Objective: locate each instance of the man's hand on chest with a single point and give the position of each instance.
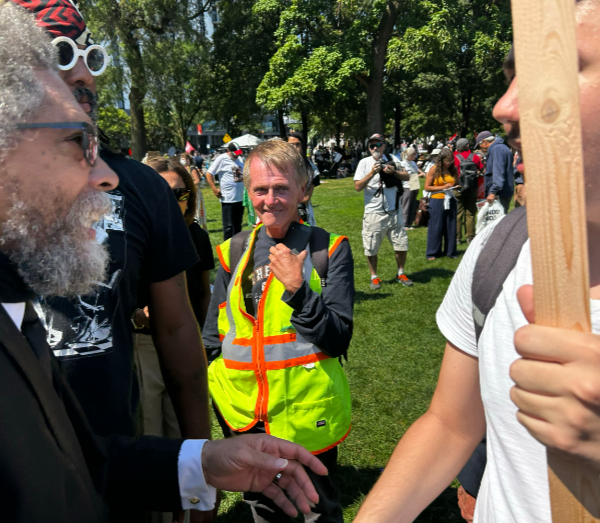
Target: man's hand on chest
(287, 267)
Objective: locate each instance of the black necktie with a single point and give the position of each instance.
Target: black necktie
(35, 333)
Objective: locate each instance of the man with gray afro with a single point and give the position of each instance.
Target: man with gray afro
(469, 167)
(53, 186)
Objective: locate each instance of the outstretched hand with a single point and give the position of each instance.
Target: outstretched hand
(250, 463)
(557, 385)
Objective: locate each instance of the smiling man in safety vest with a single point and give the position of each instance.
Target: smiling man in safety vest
(279, 320)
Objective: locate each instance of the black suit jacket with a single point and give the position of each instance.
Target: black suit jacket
(52, 467)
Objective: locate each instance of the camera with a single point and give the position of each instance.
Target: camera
(389, 180)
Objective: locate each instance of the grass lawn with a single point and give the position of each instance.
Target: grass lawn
(394, 358)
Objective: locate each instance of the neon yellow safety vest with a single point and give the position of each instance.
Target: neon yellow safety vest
(268, 372)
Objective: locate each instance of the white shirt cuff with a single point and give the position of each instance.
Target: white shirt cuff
(195, 493)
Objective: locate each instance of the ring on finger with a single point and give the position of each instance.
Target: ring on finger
(277, 478)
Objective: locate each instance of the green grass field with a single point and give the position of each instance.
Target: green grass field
(394, 358)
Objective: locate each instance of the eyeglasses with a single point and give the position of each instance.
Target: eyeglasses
(95, 57)
(182, 195)
(89, 136)
(375, 145)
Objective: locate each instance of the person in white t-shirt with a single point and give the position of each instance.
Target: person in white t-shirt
(229, 168)
(382, 209)
(532, 390)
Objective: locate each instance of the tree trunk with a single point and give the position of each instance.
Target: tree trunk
(338, 134)
(397, 117)
(305, 129)
(282, 131)
(466, 106)
(137, 94)
(374, 83)
(138, 124)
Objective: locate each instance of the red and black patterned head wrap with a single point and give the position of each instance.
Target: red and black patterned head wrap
(59, 18)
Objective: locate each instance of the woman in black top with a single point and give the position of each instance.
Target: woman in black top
(185, 190)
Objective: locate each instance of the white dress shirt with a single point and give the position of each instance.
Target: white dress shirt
(194, 491)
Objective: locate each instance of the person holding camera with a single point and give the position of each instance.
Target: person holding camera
(381, 180)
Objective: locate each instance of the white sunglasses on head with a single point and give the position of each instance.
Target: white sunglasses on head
(95, 57)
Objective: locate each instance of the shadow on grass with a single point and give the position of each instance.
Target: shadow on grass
(425, 276)
(368, 296)
(215, 230)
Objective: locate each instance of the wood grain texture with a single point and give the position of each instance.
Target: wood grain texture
(547, 72)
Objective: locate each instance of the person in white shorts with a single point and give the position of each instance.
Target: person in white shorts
(383, 216)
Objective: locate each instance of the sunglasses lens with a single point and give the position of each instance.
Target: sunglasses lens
(65, 53)
(95, 60)
(182, 195)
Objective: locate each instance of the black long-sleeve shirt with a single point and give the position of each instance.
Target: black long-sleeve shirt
(322, 319)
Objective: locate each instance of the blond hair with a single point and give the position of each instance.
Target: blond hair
(279, 154)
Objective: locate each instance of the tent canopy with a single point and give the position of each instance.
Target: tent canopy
(247, 140)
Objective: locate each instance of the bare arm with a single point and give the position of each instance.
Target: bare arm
(204, 297)
(181, 355)
(211, 181)
(195, 175)
(359, 185)
(434, 449)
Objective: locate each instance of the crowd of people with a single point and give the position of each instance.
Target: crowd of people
(115, 348)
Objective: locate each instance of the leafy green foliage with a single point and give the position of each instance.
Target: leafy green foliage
(451, 52)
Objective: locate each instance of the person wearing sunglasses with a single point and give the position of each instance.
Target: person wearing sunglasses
(150, 250)
(383, 215)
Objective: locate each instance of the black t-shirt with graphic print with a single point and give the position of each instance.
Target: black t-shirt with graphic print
(148, 242)
(254, 282)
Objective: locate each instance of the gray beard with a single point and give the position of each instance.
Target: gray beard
(55, 256)
(377, 155)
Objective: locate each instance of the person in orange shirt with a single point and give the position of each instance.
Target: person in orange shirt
(441, 232)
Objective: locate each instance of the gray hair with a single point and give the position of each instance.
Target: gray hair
(409, 151)
(24, 48)
(279, 154)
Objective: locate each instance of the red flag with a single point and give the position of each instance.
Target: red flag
(451, 139)
(199, 127)
(188, 147)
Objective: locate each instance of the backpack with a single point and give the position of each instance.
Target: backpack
(496, 261)
(318, 245)
(468, 172)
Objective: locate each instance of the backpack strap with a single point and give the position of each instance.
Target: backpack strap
(319, 253)
(496, 261)
(238, 245)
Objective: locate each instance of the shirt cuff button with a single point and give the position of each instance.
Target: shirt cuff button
(194, 500)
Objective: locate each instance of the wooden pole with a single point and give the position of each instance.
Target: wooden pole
(547, 76)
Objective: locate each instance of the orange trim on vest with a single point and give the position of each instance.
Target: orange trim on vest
(238, 365)
(295, 362)
(247, 427)
(222, 259)
(221, 337)
(315, 452)
(223, 305)
(336, 244)
(260, 343)
(242, 342)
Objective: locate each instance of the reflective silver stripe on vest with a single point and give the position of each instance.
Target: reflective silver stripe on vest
(272, 352)
(290, 350)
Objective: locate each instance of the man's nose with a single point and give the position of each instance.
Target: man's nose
(270, 199)
(507, 108)
(102, 177)
(79, 76)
